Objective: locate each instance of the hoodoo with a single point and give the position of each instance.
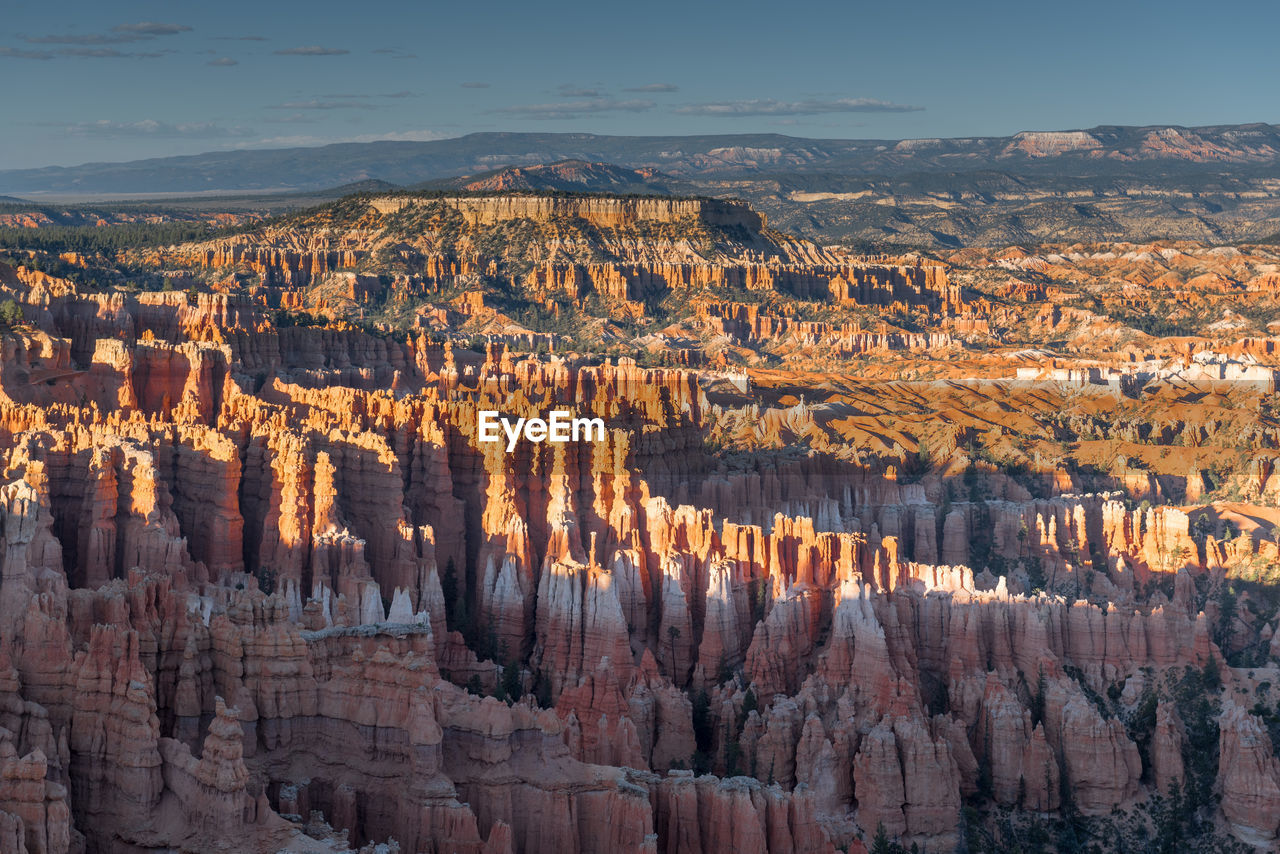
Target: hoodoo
(540, 523)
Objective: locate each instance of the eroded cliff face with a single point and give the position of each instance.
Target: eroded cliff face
(628, 254)
(608, 211)
(226, 601)
(263, 587)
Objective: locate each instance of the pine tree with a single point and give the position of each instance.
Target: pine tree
(882, 844)
(10, 313)
(511, 681)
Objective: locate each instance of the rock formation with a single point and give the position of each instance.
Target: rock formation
(263, 585)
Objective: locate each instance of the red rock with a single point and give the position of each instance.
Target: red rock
(204, 456)
(1250, 776)
(1166, 749)
(877, 781)
(1099, 762)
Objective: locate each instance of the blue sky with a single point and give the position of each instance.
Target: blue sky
(83, 82)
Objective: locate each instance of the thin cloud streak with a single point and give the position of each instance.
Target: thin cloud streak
(316, 104)
(576, 109)
(17, 53)
(150, 128)
(364, 96)
(312, 50)
(568, 91)
(87, 39)
(772, 107)
(79, 53)
(109, 53)
(151, 28)
(294, 119)
(123, 34)
(301, 140)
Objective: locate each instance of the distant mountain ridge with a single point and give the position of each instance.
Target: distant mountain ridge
(573, 176)
(1107, 150)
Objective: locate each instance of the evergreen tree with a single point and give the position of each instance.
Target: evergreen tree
(882, 844)
(511, 681)
(10, 313)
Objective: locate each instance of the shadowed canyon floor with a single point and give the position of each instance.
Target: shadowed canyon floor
(976, 552)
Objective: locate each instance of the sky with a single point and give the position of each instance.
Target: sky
(89, 82)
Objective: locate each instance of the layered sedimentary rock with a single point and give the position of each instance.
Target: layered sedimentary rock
(264, 586)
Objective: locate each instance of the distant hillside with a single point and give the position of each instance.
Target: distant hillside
(369, 185)
(1216, 184)
(1153, 150)
(572, 176)
(394, 228)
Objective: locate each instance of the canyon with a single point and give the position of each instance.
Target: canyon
(962, 551)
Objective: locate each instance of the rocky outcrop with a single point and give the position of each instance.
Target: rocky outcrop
(1022, 767)
(35, 816)
(1250, 776)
